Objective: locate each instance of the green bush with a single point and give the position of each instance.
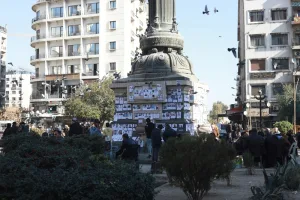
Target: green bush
(47, 168)
(284, 126)
(193, 162)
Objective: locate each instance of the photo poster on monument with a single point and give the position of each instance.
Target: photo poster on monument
(123, 110)
(120, 129)
(143, 91)
(144, 111)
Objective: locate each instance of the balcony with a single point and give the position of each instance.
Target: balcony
(38, 18)
(133, 35)
(75, 76)
(92, 12)
(56, 35)
(74, 54)
(38, 37)
(2, 63)
(93, 53)
(296, 44)
(56, 55)
(3, 48)
(37, 57)
(132, 16)
(75, 34)
(76, 13)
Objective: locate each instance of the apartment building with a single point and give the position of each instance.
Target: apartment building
(266, 60)
(80, 41)
(18, 89)
(3, 45)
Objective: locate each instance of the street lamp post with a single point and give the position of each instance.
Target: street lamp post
(260, 97)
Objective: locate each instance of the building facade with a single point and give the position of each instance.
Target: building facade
(266, 61)
(18, 89)
(80, 41)
(3, 45)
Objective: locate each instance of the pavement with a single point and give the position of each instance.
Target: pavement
(220, 191)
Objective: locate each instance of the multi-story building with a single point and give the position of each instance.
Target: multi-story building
(3, 43)
(80, 41)
(18, 89)
(266, 61)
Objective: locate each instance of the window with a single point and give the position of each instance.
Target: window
(279, 14)
(57, 12)
(20, 85)
(91, 69)
(279, 39)
(112, 45)
(37, 72)
(296, 40)
(92, 49)
(74, 10)
(14, 79)
(56, 70)
(57, 31)
(14, 98)
(93, 8)
(92, 28)
(7, 86)
(74, 30)
(14, 92)
(257, 40)
(7, 92)
(280, 63)
(112, 4)
(74, 50)
(56, 51)
(112, 24)
(256, 16)
(277, 89)
(258, 65)
(255, 89)
(7, 79)
(112, 66)
(72, 69)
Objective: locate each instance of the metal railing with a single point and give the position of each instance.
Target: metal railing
(90, 12)
(56, 55)
(38, 37)
(74, 54)
(38, 18)
(36, 57)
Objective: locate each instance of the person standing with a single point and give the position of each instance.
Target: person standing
(108, 136)
(148, 129)
(168, 133)
(75, 128)
(6, 132)
(256, 145)
(95, 129)
(156, 142)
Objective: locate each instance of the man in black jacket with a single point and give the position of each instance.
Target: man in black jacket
(75, 128)
(156, 142)
(128, 150)
(169, 132)
(148, 129)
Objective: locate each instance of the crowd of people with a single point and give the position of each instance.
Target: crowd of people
(15, 128)
(267, 147)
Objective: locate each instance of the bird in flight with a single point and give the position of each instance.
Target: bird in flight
(206, 10)
(233, 50)
(216, 10)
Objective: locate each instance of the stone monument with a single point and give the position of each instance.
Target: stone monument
(161, 83)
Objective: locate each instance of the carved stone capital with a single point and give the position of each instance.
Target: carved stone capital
(162, 41)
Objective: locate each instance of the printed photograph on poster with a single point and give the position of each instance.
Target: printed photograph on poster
(131, 88)
(180, 128)
(186, 97)
(121, 100)
(179, 106)
(178, 115)
(187, 106)
(180, 98)
(117, 100)
(170, 98)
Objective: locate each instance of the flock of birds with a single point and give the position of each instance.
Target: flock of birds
(206, 11)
